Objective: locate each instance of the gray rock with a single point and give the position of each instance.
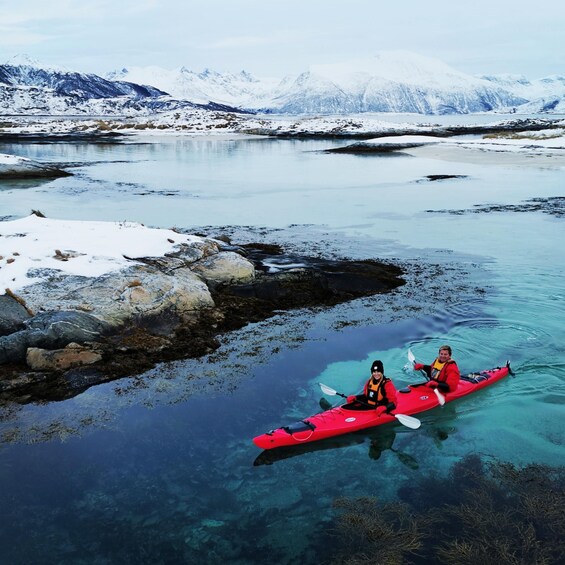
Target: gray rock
(160, 295)
(124, 296)
(225, 268)
(51, 330)
(12, 315)
(164, 287)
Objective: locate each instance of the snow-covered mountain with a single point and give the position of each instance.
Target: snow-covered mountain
(544, 95)
(391, 81)
(240, 89)
(29, 88)
(68, 83)
(529, 89)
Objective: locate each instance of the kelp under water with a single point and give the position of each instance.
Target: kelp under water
(482, 512)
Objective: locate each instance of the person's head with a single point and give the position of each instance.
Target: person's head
(444, 353)
(377, 367)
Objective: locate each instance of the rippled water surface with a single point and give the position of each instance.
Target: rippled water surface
(162, 469)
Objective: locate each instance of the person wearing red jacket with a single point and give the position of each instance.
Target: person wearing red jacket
(379, 392)
(443, 372)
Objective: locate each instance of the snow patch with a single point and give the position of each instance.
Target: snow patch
(75, 247)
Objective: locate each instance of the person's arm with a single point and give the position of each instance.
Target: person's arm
(353, 397)
(451, 378)
(390, 391)
(426, 368)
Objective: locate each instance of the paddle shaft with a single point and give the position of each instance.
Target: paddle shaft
(440, 397)
(408, 421)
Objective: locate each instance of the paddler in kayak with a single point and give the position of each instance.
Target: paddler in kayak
(443, 372)
(379, 392)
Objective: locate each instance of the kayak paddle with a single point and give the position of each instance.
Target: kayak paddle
(440, 397)
(408, 421)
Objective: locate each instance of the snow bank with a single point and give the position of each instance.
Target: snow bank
(549, 140)
(76, 247)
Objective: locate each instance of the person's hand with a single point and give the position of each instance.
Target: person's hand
(351, 398)
(379, 410)
(418, 366)
(431, 384)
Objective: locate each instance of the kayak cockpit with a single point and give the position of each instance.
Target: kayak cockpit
(301, 426)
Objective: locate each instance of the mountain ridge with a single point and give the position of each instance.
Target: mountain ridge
(391, 81)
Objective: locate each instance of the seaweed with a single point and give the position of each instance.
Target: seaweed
(481, 512)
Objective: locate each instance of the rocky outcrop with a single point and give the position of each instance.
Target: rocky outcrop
(141, 294)
(51, 330)
(160, 294)
(12, 315)
(76, 331)
(12, 167)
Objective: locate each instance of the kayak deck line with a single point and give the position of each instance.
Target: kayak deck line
(352, 417)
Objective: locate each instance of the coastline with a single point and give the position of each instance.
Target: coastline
(63, 333)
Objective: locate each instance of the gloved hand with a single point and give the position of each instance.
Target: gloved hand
(351, 398)
(380, 410)
(443, 387)
(418, 366)
(431, 384)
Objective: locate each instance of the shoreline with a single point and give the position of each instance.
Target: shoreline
(148, 339)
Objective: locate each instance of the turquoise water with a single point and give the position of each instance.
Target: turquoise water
(162, 469)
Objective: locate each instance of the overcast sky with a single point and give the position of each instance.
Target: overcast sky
(274, 38)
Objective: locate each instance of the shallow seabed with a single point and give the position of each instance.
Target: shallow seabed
(161, 468)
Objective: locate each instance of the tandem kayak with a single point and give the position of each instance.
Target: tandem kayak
(353, 417)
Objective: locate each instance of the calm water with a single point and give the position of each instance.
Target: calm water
(162, 470)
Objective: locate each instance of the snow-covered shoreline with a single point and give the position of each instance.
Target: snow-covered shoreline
(67, 284)
(203, 123)
(531, 137)
(88, 249)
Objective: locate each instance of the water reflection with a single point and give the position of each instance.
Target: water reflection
(378, 443)
(380, 440)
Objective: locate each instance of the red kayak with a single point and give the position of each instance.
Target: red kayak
(354, 417)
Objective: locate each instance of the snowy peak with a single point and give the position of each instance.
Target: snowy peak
(391, 81)
(393, 66)
(548, 87)
(67, 83)
(23, 60)
(201, 87)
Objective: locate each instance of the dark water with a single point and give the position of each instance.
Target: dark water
(162, 469)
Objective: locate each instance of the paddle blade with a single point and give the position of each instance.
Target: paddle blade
(440, 397)
(327, 390)
(408, 421)
(411, 357)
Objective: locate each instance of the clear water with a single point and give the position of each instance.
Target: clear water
(162, 469)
